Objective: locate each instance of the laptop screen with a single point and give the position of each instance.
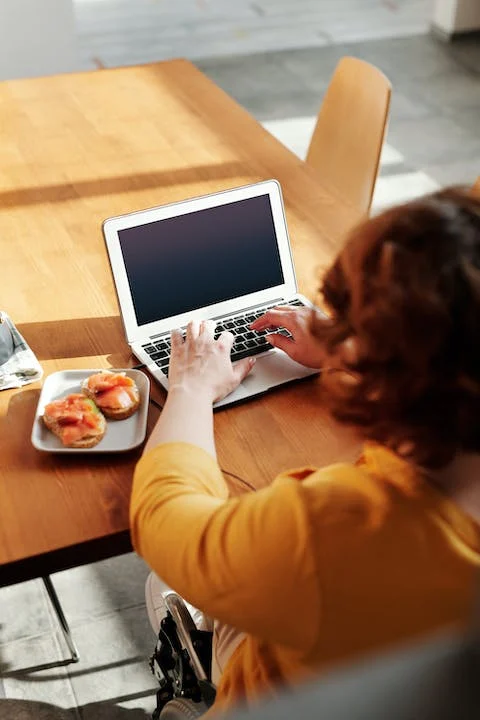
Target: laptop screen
(190, 261)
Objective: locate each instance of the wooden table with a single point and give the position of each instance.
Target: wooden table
(74, 150)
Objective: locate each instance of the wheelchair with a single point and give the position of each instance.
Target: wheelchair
(181, 662)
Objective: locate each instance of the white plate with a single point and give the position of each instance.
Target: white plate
(121, 435)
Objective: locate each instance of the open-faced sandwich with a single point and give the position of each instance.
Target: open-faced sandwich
(115, 394)
(76, 420)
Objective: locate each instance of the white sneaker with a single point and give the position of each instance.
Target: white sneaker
(155, 601)
(155, 591)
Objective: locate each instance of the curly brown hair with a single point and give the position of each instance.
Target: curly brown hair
(406, 290)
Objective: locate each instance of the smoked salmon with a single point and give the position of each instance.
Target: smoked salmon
(115, 394)
(76, 421)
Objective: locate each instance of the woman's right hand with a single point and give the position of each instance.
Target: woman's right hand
(303, 346)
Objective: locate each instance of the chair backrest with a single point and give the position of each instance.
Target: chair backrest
(347, 141)
(436, 680)
(476, 187)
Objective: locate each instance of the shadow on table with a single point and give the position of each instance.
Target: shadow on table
(31, 710)
(62, 192)
(76, 338)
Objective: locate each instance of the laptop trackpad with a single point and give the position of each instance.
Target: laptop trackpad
(272, 369)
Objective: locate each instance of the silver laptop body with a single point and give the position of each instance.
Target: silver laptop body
(224, 257)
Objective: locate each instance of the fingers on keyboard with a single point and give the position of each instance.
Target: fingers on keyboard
(246, 341)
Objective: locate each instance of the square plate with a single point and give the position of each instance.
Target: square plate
(121, 435)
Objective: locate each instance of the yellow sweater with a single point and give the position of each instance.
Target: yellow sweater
(321, 566)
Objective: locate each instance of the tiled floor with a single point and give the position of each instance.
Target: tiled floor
(435, 113)
(275, 57)
(120, 31)
(396, 183)
(105, 606)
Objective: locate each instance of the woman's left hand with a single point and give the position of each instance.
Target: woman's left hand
(202, 365)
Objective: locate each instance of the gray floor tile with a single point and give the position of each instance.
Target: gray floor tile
(409, 106)
(114, 651)
(214, 28)
(249, 41)
(466, 118)
(407, 59)
(117, 57)
(314, 67)
(433, 140)
(107, 586)
(24, 611)
(343, 19)
(298, 104)
(461, 172)
(454, 88)
(257, 73)
(22, 678)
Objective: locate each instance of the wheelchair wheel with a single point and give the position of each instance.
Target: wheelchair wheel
(182, 709)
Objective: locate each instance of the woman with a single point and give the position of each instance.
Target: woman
(329, 563)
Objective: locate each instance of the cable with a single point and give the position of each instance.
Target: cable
(226, 472)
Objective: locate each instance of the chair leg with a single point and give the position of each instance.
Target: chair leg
(75, 657)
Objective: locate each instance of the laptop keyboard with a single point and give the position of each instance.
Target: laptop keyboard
(246, 342)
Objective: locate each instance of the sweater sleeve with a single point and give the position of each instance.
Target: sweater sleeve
(245, 561)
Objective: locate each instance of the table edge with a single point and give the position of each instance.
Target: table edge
(65, 558)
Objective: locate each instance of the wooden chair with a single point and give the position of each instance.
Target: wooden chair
(348, 137)
(476, 187)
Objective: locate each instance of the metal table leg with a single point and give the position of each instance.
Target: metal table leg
(75, 657)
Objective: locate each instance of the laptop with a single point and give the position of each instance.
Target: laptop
(224, 257)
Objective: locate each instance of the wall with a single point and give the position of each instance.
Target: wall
(456, 16)
(37, 37)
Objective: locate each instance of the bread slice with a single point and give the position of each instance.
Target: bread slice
(115, 394)
(76, 421)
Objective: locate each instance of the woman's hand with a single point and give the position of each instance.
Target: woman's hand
(303, 346)
(202, 365)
